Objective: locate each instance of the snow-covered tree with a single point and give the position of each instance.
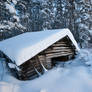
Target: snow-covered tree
(47, 14)
(82, 21)
(9, 19)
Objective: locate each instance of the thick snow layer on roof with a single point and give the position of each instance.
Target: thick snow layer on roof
(25, 46)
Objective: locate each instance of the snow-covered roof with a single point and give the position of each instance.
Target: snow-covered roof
(25, 46)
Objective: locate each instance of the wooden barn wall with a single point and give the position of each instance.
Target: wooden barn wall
(63, 47)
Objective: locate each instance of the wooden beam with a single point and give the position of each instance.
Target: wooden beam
(58, 50)
(58, 55)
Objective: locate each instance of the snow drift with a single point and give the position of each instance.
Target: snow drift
(75, 76)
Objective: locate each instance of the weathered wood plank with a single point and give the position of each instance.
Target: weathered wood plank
(62, 48)
(58, 50)
(58, 45)
(58, 55)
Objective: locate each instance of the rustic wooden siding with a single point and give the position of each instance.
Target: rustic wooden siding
(30, 68)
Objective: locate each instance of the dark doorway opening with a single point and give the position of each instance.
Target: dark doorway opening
(61, 60)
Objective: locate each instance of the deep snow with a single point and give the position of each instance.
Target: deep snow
(75, 76)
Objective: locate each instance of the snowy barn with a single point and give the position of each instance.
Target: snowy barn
(32, 53)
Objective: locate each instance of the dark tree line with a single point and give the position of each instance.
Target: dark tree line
(19, 16)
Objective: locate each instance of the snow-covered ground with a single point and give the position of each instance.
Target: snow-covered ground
(75, 76)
